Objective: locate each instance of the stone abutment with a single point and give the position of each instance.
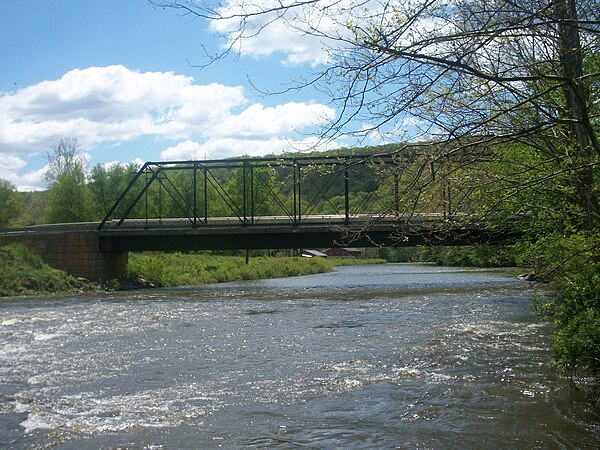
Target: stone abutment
(77, 253)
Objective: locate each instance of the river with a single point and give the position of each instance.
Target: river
(390, 356)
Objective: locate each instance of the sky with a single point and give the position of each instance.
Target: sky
(125, 79)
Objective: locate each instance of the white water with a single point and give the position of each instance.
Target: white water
(395, 356)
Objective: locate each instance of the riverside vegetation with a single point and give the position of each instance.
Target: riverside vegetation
(179, 269)
(24, 273)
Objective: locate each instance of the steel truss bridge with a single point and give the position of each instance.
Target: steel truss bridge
(194, 186)
(263, 203)
(281, 202)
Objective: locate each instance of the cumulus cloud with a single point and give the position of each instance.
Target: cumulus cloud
(10, 163)
(107, 107)
(33, 180)
(302, 33)
(257, 120)
(225, 147)
(113, 103)
(276, 37)
(229, 147)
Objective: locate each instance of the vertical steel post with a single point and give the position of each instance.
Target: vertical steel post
(205, 195)
(346, 192)
(252, 194)
(299, 194)
(160, 186)
(146, 198)
(446, 193)
(448, 201)
(294, 166)
(396, 195)
(244, 200)
(195, 195)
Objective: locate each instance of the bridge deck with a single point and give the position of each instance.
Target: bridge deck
(273, 235)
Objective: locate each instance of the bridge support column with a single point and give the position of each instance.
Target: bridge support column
(77, 253)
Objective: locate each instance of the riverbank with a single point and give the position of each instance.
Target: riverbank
(182, 269)
(24, 273)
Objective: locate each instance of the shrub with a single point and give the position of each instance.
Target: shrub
(572, 264)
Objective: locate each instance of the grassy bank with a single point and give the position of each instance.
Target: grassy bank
(466, 256)
(23, 273)
(179, 269)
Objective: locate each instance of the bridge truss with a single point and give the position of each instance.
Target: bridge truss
(246, 192)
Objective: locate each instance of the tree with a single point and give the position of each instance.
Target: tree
(469, 73)
(68, 201)
(68, 197)
(10, 203)
(65, 158)
(106, 184)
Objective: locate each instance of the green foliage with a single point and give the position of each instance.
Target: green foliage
(68, 200)
(106, 185)
(179, 269)
(24, 273)
(33, 211)
(572, 264)
(469, 256)
(10, 204)
(399, 254)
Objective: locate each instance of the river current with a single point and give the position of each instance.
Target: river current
(390, 356)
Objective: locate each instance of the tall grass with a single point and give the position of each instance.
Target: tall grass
(179, 269)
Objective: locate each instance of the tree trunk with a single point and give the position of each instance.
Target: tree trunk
(576, 107)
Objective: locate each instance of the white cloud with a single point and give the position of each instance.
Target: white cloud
(256, 120)
(114, 103)
(225, 147)
(29, 181)
(110, 106)
(9, 170)
(9, 164)
(219, 148)
(276, 37)
(256, 131)
(304, 34)
(299, 33)
(138, 162)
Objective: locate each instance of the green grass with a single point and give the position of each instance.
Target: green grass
(24, 273)
(179, 269)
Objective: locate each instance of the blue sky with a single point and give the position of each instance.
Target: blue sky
(119, 76)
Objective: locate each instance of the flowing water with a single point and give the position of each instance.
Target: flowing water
(392, 356)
